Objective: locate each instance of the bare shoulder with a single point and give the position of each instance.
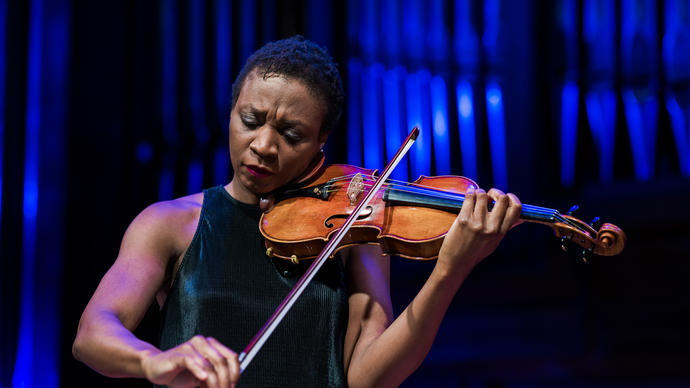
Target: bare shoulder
(172, 211)
(150, 247)
(164, 227)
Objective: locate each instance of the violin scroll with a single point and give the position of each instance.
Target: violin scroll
(608, 240)
(612, 240)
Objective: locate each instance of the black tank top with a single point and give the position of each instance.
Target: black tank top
(226, 288)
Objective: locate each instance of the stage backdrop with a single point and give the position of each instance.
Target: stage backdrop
(106, 107)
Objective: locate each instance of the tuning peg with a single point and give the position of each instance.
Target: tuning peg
(585, 256)
(573, 209)
(595, 223)
(564, 247)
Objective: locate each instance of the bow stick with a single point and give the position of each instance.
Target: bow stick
(260, 338)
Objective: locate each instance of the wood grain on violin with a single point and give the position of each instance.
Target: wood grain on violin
(406, 219)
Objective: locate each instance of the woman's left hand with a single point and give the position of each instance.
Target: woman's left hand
(476, 232)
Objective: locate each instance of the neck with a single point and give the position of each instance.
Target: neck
(240, 193)
(443, 200)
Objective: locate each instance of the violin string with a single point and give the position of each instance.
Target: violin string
(401, 186)
(435, 193)
(432, 192)
(459, 197)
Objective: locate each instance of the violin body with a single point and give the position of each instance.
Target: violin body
(396, 228)
(405, 219)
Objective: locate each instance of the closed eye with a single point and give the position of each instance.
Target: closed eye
(292, 135)
(249, 122)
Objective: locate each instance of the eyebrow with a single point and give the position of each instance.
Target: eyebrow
(282, 122)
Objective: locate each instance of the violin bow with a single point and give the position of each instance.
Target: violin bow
(260, 338)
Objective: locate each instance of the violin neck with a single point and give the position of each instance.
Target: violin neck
(452, 202)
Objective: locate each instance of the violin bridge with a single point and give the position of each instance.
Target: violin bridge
(355, 188)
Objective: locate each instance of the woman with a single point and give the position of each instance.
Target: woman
(202, 258)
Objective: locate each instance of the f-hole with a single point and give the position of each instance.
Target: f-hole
(362, 215)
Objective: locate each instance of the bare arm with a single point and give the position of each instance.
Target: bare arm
(104, 339)
(382, 354)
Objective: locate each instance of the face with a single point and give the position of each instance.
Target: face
(274, 135)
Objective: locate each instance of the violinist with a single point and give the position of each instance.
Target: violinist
(202, 258)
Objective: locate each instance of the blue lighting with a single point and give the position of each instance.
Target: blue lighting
(465, 38)
(566, 16)
(569, 98)
(418, 115)
(195, 177)
(468, 142)
(675, 53)
(464, 102)
(221, 166)
(144, 152)
(638, 57)
(25, 363)
(368, 29)
(268, 21)
(390, 27)
(247, 42)
(437, 34)
(37, 360)
(439, 107)
(413, 29)
(169, 71)
(196, 71)
(492, 25)
(494, 98)
(169, 88)
(642, 139)
(598, 32)
(394, 120)
(354, 113)
(352, 20)
(371, 117)
(679, 125)
(676, 60)
(601, 112)
(223, 56)
(497, 137)
(165, 185)
(317, 30)
(3, 10)
(638, 38)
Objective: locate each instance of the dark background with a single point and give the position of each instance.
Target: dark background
(107, 107)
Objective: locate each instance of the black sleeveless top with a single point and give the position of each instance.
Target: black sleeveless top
(226, 288)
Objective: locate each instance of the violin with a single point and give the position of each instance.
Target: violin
(342, 205)
(406, 219)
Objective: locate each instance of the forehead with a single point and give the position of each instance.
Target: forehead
(280, 95)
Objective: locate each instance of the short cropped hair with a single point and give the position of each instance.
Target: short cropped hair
(300, 59)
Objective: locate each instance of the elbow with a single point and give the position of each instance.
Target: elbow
(78, 347)
(82, 342)
(390, 378)
(369, 380)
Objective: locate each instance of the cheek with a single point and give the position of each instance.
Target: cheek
(236, 146)
(297, 162)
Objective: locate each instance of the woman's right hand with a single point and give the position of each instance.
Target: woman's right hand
(201, 361)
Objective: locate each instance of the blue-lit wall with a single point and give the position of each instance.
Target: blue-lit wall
(36, 292)
(106, 107)
(412, 65)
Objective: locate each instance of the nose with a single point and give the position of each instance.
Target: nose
(265, 143)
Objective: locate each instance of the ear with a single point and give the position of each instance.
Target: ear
(322, 140)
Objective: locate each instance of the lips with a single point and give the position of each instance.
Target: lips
(258, 171)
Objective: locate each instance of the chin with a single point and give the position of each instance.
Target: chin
(259, 189)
